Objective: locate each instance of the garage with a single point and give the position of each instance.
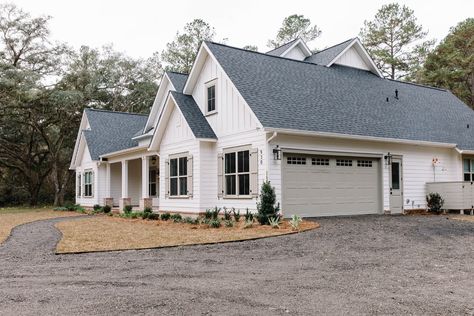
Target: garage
(316, 185)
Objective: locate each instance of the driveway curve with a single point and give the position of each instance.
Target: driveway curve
(353, 265)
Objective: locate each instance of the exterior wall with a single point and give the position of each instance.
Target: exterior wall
(417, 163)
(352, 58)
(86, 163)
(116, 182)
(295, 53)
(135, 181)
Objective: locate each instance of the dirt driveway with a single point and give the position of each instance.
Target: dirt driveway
(359, 265)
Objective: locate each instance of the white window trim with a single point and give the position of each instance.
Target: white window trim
(208, 84)
(79, 185)
(236, 173)
(156, 181)
(470, 172)
(177, 156)
(91, 171)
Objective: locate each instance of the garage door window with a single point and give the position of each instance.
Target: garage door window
(344, 163)
(296, 160)
(364, 163)
(320, 161)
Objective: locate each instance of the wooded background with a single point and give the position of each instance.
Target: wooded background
(45, 85)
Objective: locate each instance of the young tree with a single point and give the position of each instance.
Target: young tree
(180, 54)
(267, 207)
(395, 41)
(292, 27)
(451, 64)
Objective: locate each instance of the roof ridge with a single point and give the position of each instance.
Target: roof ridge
(177, 72)
(115, 112)
(293, 40)
(351, 39)
(418, 84)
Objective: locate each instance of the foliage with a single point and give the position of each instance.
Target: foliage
(176, 217)
(72, 207)
(228, 223)
(60, 208)
(253, 48)
(295, 222)
(134, 215)
(147, 210)
(395, 41)
(215, 213)
(106, 209)
(165, 216)
(180, 54)
(143, 215)
(451, 64)
(236, 215)
(248, 223)
(292, 27)
(227, 214)
(274, 222)
(215, 223)
(153, 216)
(97, 207)
(268, 206)
(248, 215)
(434, 202)
(127, 209)
(208, 214)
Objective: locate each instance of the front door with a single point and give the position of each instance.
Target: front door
(396, 186)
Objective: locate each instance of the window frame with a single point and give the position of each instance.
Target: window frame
(207, 85)
(470, 172)
(85, 184)
(236, 173)
(344, 162)
(179, 177)
(79, 185)
(155, 182)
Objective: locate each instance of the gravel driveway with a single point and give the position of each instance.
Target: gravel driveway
(355, 265)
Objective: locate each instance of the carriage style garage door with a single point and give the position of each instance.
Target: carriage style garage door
(328, 186)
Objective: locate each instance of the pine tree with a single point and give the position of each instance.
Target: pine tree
(268, 206)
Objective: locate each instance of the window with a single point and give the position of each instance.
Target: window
(179, 176)
(296, 160)
(211, 98)
(237, 173)
(468, 169)
(79, 185)
(395, 176)
(152, 189)
(320, 161)
(88, 183)
(344, 163)
(364, 163)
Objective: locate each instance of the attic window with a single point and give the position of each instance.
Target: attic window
(211, 97)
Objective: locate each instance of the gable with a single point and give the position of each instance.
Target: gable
(177, 129)
(352, 58)
(295, 53)
(84, 155)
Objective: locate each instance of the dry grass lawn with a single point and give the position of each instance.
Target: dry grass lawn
(465, 218)
(9, 218)
(103, 233)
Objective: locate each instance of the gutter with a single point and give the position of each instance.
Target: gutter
(123, 151)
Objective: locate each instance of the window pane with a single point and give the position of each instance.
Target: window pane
(183, 186)
(395, 175)
(244, 184)
(230, 163)
(173, 167)
(243, 161)
(467, 165)
(211, 98)
(183, 166)
(152, 175)
(174, 186)
(152, 189)
(467, 177)
(230, 185)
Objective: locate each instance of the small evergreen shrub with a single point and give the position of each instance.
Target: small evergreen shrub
(165, 216)
(248, 216)
(228, 223)
(72, 207)
(127, 209)
(176, 218)
(215, 223)
(192, 221)
(435, 202)
(268, 206)
(227, 214)
(106, 209)
(133, 215)
(248, 223)
(153, 216)
(97, 208)
(143, 215)
(147, 210)
(236, 215)
(295, 222)
(208, 214)
(61, 208)
(80, 209)
(215, 213)
(274, 222)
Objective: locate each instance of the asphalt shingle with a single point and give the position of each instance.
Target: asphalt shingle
(178, 80)
(281, 49)
(325, 56)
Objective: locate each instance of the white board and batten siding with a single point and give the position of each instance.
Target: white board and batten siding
(417, 164)
(85, 164)
(351, 58)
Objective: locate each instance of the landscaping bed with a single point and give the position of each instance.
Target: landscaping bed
(106, 233)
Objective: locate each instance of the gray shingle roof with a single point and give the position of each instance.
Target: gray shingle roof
(178, 80)
(298, 95)
(325, 56)
(111, 131)
(193, 115)
(281, 49)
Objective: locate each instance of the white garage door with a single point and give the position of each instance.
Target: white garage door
(328, 186)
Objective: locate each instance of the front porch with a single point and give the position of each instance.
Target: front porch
(132, 181)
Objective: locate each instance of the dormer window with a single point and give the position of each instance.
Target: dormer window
(211, 100)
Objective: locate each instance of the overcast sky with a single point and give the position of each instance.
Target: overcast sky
(141, 27)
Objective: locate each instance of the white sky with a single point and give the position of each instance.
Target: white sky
(141, 27)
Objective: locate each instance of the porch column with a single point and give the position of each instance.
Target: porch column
(108, 200)
(145, 200)
(125, 200)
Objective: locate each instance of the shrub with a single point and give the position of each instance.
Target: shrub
(133, 215)
(106, 209)
(127, 209)
(72, 207)
(192, 221)
(165, 216)
(268, 206)
(228, 223)
(143, 215)
(248, 223)
(147, 210)
(434, 202)
(295, 222)
(80, 209)
(97, 208)
(215, 213)
(61, 208)
(248, 216)
(153, 216)
(227, 214)
(274, 222)
(236, 215)
(110, 214)
(208, 214)
(176, 218)
(215, 223)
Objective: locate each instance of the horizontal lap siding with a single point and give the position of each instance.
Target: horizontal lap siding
(417, 163)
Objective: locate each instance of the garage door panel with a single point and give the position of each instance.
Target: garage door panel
(331, 189)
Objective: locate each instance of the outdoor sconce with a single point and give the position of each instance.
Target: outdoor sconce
(388, 159)
(277, 153)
